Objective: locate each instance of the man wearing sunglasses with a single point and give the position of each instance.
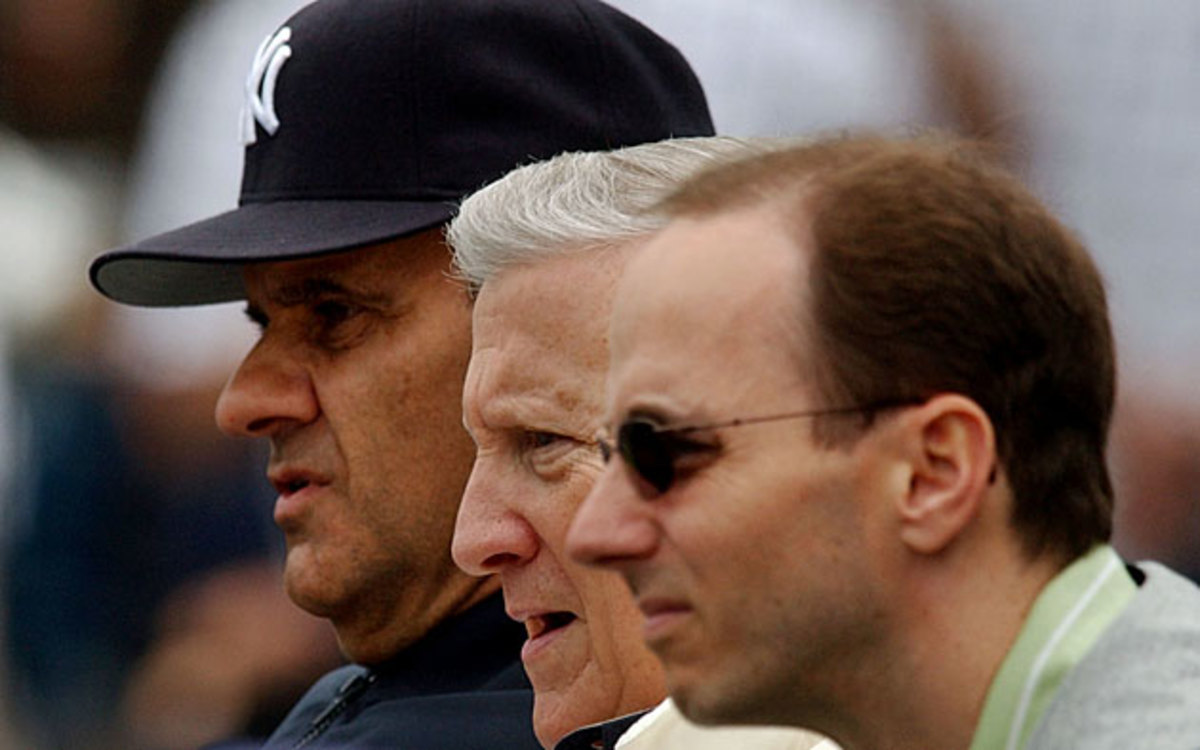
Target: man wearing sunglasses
(858, 402)
(543, 248)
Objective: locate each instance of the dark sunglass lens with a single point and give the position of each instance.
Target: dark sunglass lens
(644, 449)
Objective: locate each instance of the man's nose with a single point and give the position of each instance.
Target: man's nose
(614, 524)
(491, 534)
(268, 391)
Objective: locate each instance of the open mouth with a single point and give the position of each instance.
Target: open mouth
(295, 486)
(545, 624)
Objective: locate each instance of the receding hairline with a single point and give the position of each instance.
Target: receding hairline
(785, 175)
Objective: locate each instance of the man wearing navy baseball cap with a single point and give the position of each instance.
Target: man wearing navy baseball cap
(365, 122)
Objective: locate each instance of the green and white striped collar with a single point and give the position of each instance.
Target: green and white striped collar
(1066, 620)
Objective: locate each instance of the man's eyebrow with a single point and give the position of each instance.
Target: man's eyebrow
(308, 290)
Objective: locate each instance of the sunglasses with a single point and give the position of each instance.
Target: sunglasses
(653, 451)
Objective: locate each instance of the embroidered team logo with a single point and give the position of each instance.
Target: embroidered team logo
(259, 105)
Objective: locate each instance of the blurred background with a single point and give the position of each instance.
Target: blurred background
(140, 598)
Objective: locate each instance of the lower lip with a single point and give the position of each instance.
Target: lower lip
(534, 647)
(292, 506)
(661, 624)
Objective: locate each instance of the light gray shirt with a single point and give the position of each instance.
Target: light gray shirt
(1139, 687)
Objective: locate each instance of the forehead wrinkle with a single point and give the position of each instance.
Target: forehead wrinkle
(527, 375)
(546, 325)
(515, 400)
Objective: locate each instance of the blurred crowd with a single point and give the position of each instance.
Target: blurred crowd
(140, 602)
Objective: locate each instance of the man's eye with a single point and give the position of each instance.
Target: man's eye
(548, 455)
(688, 456)
(339, 325)
(536, 439)
(333, 312)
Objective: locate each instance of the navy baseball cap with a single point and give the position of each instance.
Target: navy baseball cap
(368, 120)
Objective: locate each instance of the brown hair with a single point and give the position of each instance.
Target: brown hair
(935, 271)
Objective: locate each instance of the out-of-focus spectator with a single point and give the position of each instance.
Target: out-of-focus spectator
(77, 70)
(1156, 445)
(50, 212)
(52, 207)
(231, 656)
(116, 494)
(787, 67)
(783, 67)
(1109, 92)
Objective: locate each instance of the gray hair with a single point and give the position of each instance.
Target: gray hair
(579, 201)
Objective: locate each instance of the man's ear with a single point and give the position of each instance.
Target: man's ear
(953, 461)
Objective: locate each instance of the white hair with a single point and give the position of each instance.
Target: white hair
(579, 201)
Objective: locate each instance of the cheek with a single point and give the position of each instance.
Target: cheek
(625, 674)
(755, 532)
(614, 622)
(608, 606)
(642, 671)
(403, 441)
(718, 522)
(555, 503)
(414, 371)
(418, 384)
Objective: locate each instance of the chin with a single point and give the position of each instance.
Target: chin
(548, 737)
(700, 702)
(709, 704)
(307, 591)
(554, 719)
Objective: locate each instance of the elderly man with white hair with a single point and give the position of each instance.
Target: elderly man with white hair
(543, 249)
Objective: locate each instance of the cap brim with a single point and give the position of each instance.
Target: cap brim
(201, 263)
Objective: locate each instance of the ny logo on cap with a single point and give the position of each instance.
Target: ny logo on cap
(260, 85)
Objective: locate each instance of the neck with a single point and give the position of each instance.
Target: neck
(380, 639)
(957, 617)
